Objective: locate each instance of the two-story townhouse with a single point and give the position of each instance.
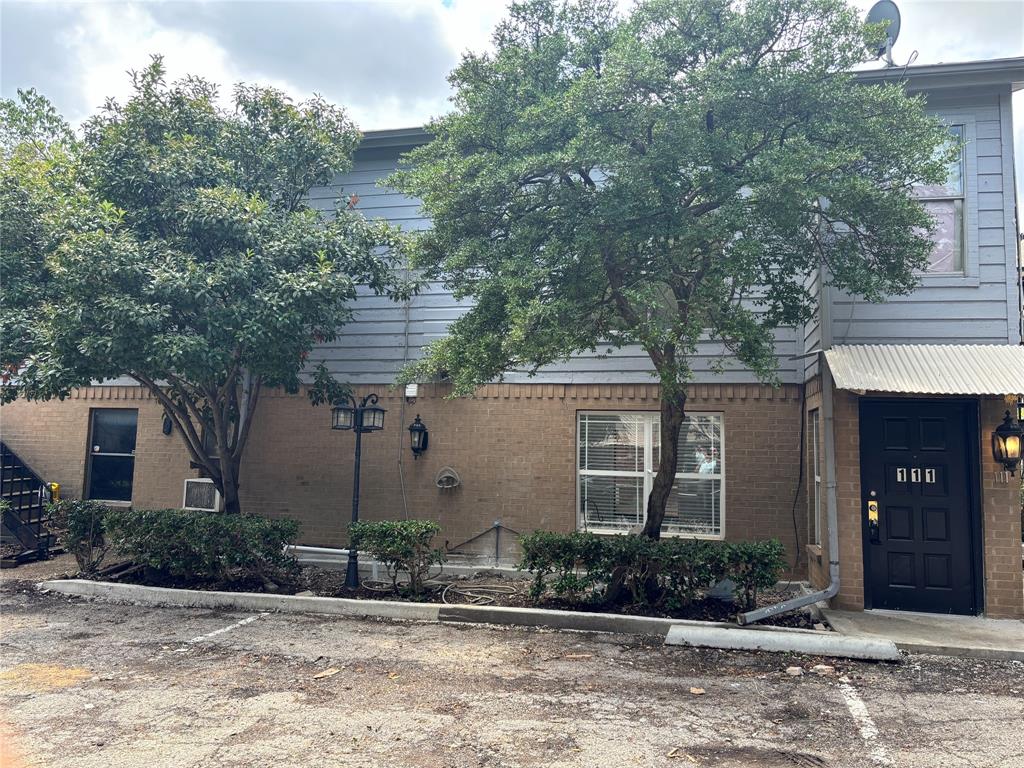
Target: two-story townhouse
(876, 440)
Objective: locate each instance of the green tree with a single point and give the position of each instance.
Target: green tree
(35, 173)
(661, 178)
(186, 256)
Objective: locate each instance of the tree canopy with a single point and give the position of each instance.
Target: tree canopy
(177, 246)
(665, 177)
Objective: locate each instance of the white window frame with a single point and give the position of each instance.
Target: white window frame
(651, 421)
(961, 197)
(816, 474)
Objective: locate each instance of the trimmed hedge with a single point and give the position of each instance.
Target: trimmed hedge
(403, 546)
(79, 527)
(204, 546)
(566, 563)
(670, 573)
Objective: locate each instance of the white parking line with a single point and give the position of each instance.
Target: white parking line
(228, 628)
(868, 730)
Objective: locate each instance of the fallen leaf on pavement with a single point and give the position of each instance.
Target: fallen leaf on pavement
(329, 672)
(697, 691)
(676, 753)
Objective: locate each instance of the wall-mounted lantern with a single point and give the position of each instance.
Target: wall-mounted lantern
(1006, 443)
(167, 426)
(418, 437)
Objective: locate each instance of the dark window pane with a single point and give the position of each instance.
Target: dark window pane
(110, 478)
(113, 430)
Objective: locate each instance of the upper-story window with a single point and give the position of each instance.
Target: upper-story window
(945, 203)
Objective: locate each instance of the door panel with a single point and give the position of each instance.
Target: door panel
(918, 555)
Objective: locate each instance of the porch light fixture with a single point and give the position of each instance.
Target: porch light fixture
(1006, 443)
(418, 436)
(364, 416)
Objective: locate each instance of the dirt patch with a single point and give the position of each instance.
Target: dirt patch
(39, 678)
(423, 695)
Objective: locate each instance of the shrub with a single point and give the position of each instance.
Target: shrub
(688, 568)
(670, 572)
(754, 565)
(79, 527)
(204, 546)
(576, 561)
(403, 546)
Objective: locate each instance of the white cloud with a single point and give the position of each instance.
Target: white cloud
(108, 40)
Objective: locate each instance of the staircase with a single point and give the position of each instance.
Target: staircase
(23, 521)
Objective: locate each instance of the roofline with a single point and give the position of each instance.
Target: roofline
(394, 137)
(928, 77)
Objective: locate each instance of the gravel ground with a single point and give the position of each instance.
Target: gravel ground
(89, 684)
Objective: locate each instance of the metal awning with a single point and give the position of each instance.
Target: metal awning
(940, 369)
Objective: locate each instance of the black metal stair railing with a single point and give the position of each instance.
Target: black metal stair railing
(27, 496)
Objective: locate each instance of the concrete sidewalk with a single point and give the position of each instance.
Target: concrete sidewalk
(969, 636)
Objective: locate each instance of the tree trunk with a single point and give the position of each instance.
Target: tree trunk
(232, 505)
(673, 411)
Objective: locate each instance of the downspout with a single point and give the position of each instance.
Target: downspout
(832, 504)
(831, 497)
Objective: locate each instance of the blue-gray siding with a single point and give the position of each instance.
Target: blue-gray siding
(383, 336)
(982, 306)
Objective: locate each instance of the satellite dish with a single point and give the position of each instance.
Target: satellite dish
(886, 12)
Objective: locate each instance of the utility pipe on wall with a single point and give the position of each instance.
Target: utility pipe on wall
(832, 512)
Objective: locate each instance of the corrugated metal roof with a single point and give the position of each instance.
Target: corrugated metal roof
(940, 369)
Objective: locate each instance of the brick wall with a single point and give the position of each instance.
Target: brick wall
(848, 513)
(53, 439)
(514, 447)
(1004, 580)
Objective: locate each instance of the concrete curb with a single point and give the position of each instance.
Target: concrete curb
(964, 651)
(772, 638)
(946, 642)
(244, 601)
(816, 644)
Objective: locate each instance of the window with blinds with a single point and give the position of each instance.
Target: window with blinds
(618, 455)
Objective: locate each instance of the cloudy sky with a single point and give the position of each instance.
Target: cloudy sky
(386, 61)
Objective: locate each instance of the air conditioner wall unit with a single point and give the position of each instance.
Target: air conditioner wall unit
(201, 495)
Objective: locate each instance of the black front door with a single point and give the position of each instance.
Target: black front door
(916, 505)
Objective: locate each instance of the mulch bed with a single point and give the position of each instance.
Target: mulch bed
(483, 588)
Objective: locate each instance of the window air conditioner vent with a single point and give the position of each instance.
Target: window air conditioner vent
(201, 495)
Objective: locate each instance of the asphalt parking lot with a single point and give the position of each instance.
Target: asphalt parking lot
(90, 684)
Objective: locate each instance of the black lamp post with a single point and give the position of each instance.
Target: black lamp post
(366, 416)
(1006, 443)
